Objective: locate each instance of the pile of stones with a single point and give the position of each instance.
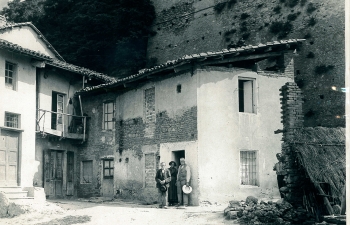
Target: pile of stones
(9, 209)
(254, 212)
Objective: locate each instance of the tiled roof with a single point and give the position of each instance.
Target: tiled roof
(10, 25)
(80, 70)
(55, 62)
(188, 58)
(18, 49)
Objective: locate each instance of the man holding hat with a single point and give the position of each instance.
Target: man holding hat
(163, 178)
(183, 178)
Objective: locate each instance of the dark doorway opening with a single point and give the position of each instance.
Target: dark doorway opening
(177, 155)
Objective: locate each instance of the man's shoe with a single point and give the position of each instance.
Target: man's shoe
(160, 206)
(165, 207)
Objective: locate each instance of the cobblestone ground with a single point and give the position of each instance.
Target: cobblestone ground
(66, 212)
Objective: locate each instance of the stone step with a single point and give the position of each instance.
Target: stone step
(10, 189)
(22, 200)
(16, 194)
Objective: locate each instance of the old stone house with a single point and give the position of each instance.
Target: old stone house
(40, 120)
(219, 110)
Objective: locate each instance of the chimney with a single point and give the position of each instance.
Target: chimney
(3, 20)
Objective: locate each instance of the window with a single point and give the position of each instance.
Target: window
(10, 75)
(108, 168)
(57, 105)
(86, 176)
(246, 98)
(11, 120)
(178, 88)
(248, 168)
(108, 115)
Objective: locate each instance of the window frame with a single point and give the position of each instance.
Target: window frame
(109, 168)
(253, 93)
(250, 174)
(13, 78)
(104, 122)
(6, 122)
(82, 180)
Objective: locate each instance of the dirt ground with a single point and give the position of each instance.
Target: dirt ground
(66, 212)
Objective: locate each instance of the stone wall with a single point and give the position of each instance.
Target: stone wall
(194, 26)
(292, 119)
(134, 145)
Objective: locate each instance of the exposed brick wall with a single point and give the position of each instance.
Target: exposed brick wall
(292, 119)
(320, 65)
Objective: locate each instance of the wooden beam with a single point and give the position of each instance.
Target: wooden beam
(37, 63)
(325, 199)
(241, 58)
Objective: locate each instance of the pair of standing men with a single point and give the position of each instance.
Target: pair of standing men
(163, 177)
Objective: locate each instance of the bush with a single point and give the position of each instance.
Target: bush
(292, 3)
(280, 28)
(312, 22)
(302, 2)
(292, 16)
(230, 3)
(310, 55)
(310, 8)
(308, 35)
(322, 69)
(276, 27)
(219, 7)
(244, 16)
(245, 36)
(277, 9)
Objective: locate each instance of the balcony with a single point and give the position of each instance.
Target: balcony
(61, 124)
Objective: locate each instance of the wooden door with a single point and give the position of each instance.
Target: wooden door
(8, 158)
(70, 173)
(53, 173)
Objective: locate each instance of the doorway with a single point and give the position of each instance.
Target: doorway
(176, 155)
(53, 167)
(8, 158)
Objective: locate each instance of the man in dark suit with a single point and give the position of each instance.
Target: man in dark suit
(163, 178)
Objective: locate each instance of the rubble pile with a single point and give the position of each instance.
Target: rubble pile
(253, 212)
(9, 209)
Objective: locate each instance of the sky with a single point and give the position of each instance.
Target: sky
(3, 3)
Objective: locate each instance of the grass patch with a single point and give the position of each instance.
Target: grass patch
(303, 2)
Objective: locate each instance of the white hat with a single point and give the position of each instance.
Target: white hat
(186, 189)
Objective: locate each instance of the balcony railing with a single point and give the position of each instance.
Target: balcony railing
(61, 124)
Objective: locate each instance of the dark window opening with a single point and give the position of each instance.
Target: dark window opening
(246, 96)
(178, 88)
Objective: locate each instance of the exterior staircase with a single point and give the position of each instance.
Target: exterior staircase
(17, 195)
